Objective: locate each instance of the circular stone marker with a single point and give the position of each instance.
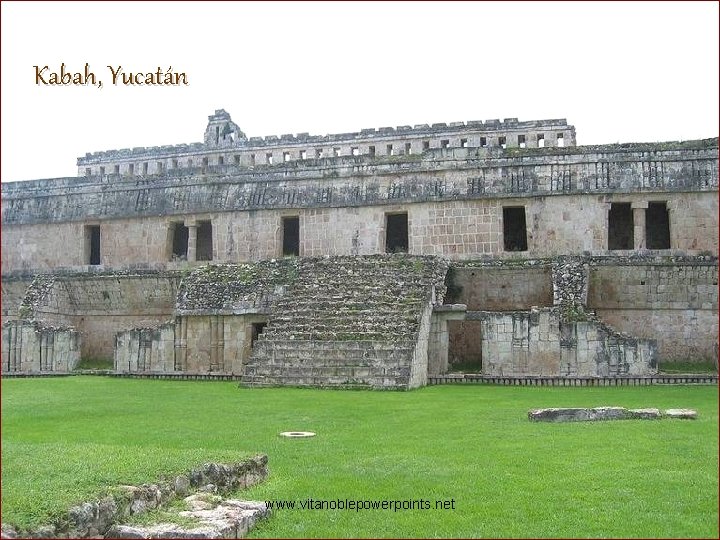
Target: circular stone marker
(297, 434)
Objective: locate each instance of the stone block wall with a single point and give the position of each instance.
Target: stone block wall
(420, 357)
(99, 305)
(34, 247)
(459, 230)
(454, 200)
(145, 350)
(35, 347)
(672, 300)
(502, 286)
(540, 343)
(441, 325)
(675, 302)
(13, 293)
(189, 344)
(361, 363)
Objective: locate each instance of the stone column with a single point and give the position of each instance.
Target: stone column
(192, 240)
(638, 209)
(675, 210)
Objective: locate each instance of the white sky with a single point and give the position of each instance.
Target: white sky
(619, 72)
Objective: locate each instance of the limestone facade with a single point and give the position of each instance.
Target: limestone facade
(527, 221)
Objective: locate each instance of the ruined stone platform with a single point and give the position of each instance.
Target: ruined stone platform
(580, 414)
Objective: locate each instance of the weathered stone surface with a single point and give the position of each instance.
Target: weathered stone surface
(215, 517)
(577, 414)
(8, 531)
(605, 413)
(646, 414)
(182, 485)
(46, 531)
(543, 341)
(93, 519)
(684, 414)
(90, 518)
(172, 208)
(162, 530)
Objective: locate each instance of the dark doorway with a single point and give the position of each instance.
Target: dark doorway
(204, 241)
(514, 228)
(620, 226)
(291, 236)
(255, 330)
(396, 233)
(657, 226)
(93, 242)
(465, 346)
(179, 242)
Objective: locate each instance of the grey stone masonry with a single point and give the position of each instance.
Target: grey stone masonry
(351, 321)
(223, 140)
(97, 519)
(577, 414)
(353, 181)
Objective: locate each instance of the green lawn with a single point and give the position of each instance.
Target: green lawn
(65, 439)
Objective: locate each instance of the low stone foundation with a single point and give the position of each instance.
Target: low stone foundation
(94, 519)
(605, 413)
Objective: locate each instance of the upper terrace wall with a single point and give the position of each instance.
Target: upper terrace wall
(460, 229)
(234, 148)
(361, 181)
(455, 201)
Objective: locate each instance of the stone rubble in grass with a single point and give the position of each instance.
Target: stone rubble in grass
(569, 414)
(684, 414)
(222, 518)
(645, 414)
(216, 518)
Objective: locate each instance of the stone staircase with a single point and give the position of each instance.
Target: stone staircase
(348, 322)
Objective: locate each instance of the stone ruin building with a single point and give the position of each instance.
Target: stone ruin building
(371, 259)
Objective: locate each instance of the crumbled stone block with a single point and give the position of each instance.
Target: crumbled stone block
(683, 414)
(645, 414)
(577, 414)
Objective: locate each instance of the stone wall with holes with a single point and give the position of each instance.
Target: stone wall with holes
(454, 199)
(225, 144)
(540, 343)
(35, 347)
(460, 230)
(674, 302)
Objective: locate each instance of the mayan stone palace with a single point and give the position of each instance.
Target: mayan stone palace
(379, 258)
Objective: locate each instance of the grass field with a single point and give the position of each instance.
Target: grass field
(67, 439)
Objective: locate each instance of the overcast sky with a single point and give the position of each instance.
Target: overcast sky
(619, 72)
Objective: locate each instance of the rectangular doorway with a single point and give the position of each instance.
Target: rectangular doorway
(396, 233)
(514, 228)
(291, 236)
(620, 226)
